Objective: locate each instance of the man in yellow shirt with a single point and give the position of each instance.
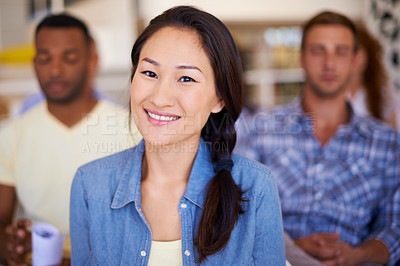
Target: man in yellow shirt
(41, 150)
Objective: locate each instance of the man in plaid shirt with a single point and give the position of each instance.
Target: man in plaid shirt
(338, 173)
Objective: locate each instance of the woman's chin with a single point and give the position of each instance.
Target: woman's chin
(157, 142)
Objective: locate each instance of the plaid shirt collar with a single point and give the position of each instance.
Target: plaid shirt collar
(358, 123)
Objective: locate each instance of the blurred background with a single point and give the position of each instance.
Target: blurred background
(267, 32)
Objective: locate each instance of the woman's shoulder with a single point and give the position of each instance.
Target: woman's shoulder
(101, 178)
(253, 177)
(112, 161)
(249, 164)
(111, 167)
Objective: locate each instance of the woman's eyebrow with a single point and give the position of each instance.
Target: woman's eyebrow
(188, 67)
(151, 61)
(155, 63)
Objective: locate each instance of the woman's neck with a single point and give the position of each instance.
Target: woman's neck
(165, 175)
(169, 164)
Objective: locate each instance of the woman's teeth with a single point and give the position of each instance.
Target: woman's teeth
(162, 118)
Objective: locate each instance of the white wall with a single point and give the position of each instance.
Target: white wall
(13, 21)
(112, 23)
(258, 10)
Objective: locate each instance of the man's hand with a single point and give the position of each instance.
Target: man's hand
(327, 248)
(18, 242)
(322, 246)
(347, 255)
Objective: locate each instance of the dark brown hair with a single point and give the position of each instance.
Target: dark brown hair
(374, 77)
(329, 18)
(222, 205)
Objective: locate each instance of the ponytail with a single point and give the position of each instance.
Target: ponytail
(222, 205)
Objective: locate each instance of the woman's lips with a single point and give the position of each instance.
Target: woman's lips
(160, 118)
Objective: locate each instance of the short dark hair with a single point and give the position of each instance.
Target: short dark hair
(329, 18)
(64, 20)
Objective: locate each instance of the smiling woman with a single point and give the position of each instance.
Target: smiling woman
(180, 189)
(173, 92)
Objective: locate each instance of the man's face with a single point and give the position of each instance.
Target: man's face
(62, 63)
(328, 59)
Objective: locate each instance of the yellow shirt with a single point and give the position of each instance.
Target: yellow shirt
(39, 156)
(165, 253)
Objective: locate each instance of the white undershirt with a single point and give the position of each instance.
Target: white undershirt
(166, 253)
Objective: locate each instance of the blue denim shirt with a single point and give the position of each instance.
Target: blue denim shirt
(108, 226)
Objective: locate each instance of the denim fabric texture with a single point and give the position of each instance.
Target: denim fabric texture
(108, 226)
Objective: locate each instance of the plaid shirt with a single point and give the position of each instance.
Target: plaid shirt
(350, 185)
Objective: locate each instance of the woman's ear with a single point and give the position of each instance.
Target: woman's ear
(218, 107)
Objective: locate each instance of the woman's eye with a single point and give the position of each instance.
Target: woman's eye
(150, 74)
(186, 79)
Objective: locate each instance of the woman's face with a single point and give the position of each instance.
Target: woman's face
(173, 90)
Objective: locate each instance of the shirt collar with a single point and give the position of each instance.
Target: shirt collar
(356, 122)
(359, 123)
(297, 114)
(129, 187)
(202, 172)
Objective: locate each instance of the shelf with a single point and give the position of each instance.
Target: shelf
(273, 76)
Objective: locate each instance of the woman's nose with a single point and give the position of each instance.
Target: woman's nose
(163, 94)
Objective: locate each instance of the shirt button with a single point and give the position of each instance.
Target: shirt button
(183, 206)
(319, 195)
(187, 253)
(284, 160)
(139, 209)
(143, 253)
